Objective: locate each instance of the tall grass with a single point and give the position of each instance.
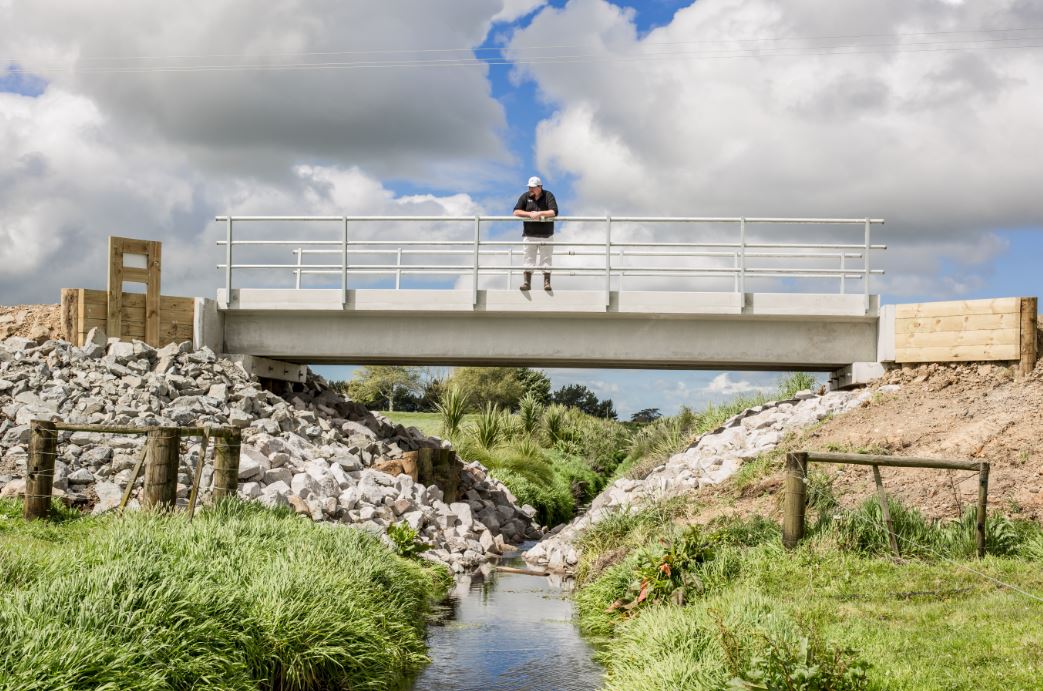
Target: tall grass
(530, 414)
(451, 408)
(831, 615)
(241, 598)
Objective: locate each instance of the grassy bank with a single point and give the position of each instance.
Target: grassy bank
(724, 607)
(241, 598)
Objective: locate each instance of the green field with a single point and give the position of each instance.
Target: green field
(428, 423)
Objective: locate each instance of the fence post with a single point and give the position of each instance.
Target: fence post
(474, 270)
(608, 263)
(164, 450)
(742, 255)
(228, 262)
(983, 498)
(226, 464)
(885, 510)
(343, 266)
(865, 265)
(1028, 336)
(300, 255)
(398, 269)
(43, 447)
(795, 499)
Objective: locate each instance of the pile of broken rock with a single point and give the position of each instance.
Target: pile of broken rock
(311, 449)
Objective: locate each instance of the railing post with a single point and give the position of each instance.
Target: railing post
(39, 476)
(300, 254)
(228, 261)
(161, 466)
(343, 264)
(510, 265)
(398, 269)
(795, 499)
(865, 266)
(608, 263)
(983, 498)
(735, 277)
(742, 255)
(474, 270)
(843, 271)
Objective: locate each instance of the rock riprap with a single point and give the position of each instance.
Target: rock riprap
(314, 450)
(712, 458)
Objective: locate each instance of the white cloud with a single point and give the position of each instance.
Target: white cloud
(936, 142)
(515, 9)
(724, 385)
(412, 123)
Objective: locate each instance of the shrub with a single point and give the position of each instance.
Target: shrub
(451, 408)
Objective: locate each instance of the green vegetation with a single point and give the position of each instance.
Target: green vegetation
(664, 436)
(241, 598)
(725, 607)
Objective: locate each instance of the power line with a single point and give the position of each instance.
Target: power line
(933, 47)
(471, 49)
(894, 41)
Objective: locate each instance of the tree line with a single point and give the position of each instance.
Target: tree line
(409, 389)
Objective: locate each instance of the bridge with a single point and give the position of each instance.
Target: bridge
(629, 292)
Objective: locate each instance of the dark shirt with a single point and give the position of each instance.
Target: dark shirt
(546, 202)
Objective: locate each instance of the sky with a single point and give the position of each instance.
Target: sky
(147, 119)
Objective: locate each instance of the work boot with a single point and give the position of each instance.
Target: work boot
(546, 281)
(527, 283)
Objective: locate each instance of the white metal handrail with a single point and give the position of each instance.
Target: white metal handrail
(614, 253)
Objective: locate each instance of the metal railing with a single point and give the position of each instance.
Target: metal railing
(733, 257)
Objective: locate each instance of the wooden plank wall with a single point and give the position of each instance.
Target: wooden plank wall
(83, 309)
(961, 331)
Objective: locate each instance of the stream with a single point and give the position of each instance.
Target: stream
(508, 631)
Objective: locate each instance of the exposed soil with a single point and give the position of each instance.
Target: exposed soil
(39, 322)
(966, 412)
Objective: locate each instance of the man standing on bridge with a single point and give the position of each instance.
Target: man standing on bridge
(540, 206)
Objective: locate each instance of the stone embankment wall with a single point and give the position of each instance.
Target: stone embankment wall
(711, 459)
(313, 450)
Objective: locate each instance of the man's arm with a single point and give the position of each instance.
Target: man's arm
(519, 209)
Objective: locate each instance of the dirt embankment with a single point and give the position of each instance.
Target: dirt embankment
(39, 322)
(977, 412)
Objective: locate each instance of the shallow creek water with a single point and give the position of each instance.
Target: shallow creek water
(508, 631)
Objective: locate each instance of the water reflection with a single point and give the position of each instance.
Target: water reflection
(508, 631)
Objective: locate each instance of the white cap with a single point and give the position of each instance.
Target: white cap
(535, 182)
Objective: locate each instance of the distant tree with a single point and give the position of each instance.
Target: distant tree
(433, 388)
(647, 415)
(536, 383)
(499, 386)
(381, 386)
(579, 396)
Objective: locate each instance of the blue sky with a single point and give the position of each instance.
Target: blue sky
(943, 145)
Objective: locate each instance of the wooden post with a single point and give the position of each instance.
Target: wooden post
(795, 499)
(133, 477)
(198, 474)
(881, 495)
(114, 323)
(70, 312)
(153, 251)
(1028, 336)
(983, 498)
(164, 447)
(226, 464)
(43, 447)
(425, 467)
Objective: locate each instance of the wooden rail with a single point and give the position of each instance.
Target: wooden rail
(797, 477)
(160, 459)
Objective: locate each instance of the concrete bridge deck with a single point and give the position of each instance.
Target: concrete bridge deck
(636, 329)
